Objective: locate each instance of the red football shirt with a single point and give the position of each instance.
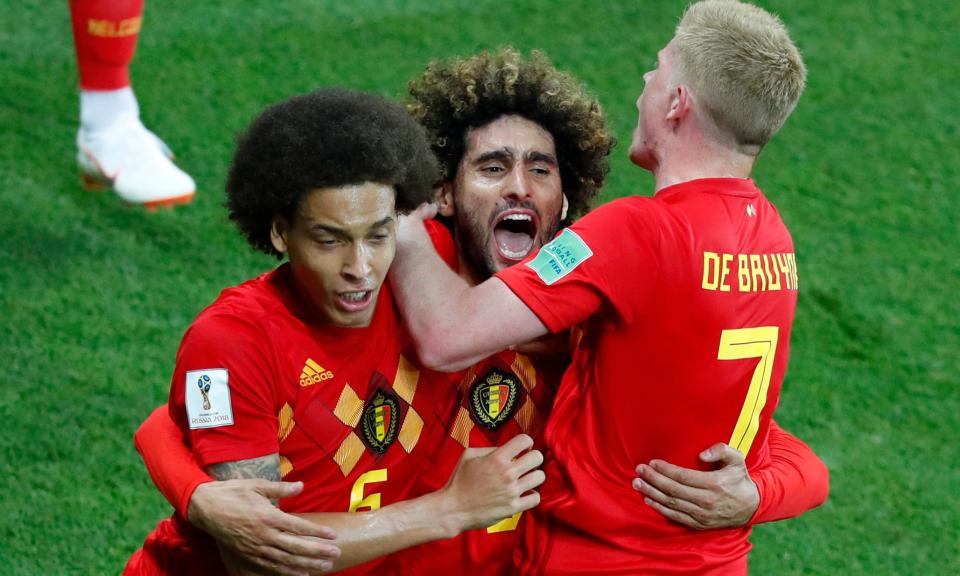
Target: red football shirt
(347, 410)
(686, 301)
(493, 401)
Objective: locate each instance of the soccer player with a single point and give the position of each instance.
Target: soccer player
(683, 305)
(115, 149)
(517, 160)
(305, 372)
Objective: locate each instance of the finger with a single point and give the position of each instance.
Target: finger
(306, 547)
(527, 462)
(516, 445)
(298, 526)
(425, 211)
(723, 453)
(430, 210)
(674, 515)
(668, 501)
(530, 481)
(528, 501)
(670, 486)
(686, 476)
(278, 490)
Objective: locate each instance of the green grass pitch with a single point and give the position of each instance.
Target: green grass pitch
(95, 295)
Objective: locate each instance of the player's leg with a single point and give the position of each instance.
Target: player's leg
(114, 148)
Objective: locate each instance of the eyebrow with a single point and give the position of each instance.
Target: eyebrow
(498, 154)
(508, 154)
(335, 231)
(536, 156)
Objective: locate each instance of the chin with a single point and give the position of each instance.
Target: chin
(642, 158)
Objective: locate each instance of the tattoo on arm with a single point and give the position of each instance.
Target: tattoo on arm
(267, 467)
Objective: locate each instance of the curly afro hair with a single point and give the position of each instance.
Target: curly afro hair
(453, 96)
(325, 139)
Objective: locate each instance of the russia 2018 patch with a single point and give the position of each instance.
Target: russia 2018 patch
(208, 398)
(560, 256)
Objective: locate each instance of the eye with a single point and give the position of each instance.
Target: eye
(492, 169)
(541, 170)
(379, 237)
(328, 242)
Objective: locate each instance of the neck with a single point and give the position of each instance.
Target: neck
(466, 271)
(700, 159)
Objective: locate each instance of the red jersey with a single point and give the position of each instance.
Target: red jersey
(347, 410)
(686, 302)
(493, 401)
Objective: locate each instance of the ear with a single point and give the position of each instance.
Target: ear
(443, 195)
(681, 103)
(565, 208)
(279, 229)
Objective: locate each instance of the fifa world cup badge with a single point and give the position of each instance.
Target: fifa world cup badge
(208, 398)
(204, 384)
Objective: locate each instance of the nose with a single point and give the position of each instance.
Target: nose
(356, 264)
(519, 185)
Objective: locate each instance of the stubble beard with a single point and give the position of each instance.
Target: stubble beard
(473, 237)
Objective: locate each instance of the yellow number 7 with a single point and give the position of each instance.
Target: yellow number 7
(759, 343)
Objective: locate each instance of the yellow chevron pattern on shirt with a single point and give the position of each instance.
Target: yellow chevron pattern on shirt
(523, 367)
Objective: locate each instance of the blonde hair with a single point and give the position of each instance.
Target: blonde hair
(745, 71)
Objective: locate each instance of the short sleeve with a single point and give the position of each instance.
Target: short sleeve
(442, 242)
(224, 393)
(606, 262)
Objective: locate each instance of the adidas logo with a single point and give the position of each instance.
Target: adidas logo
(314, 373)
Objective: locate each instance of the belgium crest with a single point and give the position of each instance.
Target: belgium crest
(494, 398)
(380, 421)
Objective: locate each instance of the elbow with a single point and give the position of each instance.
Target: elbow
(821, 488)
(141, 435)
(437, 351)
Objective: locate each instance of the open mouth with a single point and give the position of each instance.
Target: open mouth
(354, 301)
(514, 232)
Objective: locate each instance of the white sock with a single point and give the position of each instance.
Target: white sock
(99, 109)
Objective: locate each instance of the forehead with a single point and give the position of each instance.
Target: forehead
(667, 52)
(511, 132)
(350, 207)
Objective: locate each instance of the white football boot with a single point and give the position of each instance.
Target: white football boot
(134, 162)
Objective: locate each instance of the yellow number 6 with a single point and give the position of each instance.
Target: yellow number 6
(371, 502)
(759, 343)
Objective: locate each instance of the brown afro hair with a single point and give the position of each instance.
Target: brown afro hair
(325, 139)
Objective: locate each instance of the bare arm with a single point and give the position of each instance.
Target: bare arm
(241, 516)
(453, 324)
(266, 470)
(487, 486)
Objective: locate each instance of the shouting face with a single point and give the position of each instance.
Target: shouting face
(507, 197)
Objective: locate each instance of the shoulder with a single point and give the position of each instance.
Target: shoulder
(238, 314)
(623, 215)
(633, 219)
